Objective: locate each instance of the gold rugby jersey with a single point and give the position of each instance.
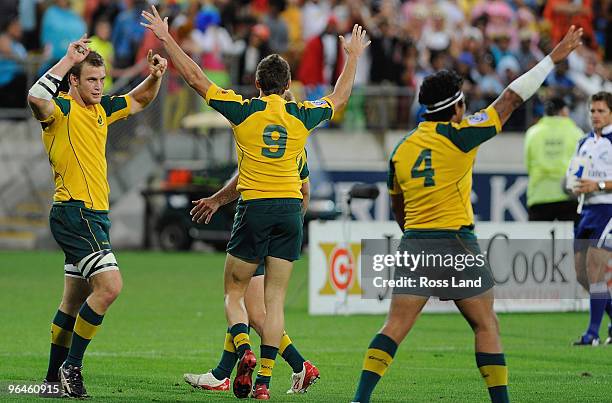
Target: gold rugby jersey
(432, 168)
(74, 137)
(270, 136)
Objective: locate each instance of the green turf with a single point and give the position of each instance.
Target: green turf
(169, 320)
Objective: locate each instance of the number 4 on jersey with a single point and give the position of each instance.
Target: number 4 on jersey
(427, 172)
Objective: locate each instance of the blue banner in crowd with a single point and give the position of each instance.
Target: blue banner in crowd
(495, 196)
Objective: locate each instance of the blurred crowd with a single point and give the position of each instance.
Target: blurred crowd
(488, 42)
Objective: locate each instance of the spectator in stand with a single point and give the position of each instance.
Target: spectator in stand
(561, 14)
(472, 40)
(278, 31)
(415, 17)
(212, 42)
(590, 81)
(233, 13)
(436, 36)
(28, 10)
(101, 43)
(256, 49)
(454, 15)
(508, 69)
(489, 84)
(527, 54)
(322, 61)
(526, 20)
(13, 85)
(387, 54)
(341, 10)
(464, 66)
(500, 47)
(315, 16)
(549, 146)
(441, 34)
(559, 81)
(354, 118)
(606, 17)
(60, 26)
(101, 10)
(128, 33)
(293, 19)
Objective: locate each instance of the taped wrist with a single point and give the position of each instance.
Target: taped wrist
(46, 86)
(527, 84)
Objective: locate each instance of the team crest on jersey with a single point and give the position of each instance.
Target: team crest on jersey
(100, 120)
(478, 118)
(319, 102)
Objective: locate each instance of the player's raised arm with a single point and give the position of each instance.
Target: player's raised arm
(147, 90)
(191, 72)
(42, 92)
(521, 89)
(354, 49)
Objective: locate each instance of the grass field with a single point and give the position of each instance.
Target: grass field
(169, 320)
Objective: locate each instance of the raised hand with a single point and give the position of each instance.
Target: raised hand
(358, 42)
(204, 209)
(156, 24)
(78, 50)
(157, 64)
(570, 41)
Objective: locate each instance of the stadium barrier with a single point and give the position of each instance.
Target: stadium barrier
(532, 264)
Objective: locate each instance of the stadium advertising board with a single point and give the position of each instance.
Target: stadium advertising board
(495, 196)
(531, 263)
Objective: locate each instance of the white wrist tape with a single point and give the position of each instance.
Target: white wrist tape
(527, 84)
(46, 86)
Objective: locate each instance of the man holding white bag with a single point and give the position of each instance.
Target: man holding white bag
(590, 178)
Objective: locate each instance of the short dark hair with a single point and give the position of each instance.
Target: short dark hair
(553, 106)
(7, 21)
(273, 75)
(438, 87)
(93, 59)
(604, 96)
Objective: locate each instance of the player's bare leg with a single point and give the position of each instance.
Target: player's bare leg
(580, 267)
(76, 291)
(479, 313)
(217, 379)
(237, 275)
(304, 373)
(278, 273)
(403, 313)
(255, 305)
(106, 287)
(596, 264)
